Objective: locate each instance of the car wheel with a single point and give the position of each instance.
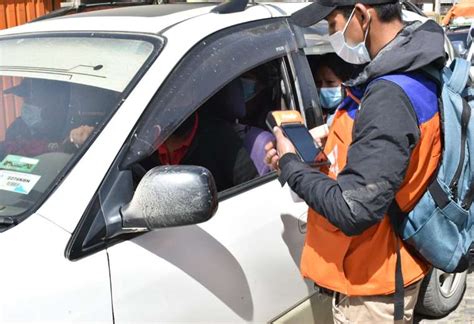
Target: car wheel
(440, 293)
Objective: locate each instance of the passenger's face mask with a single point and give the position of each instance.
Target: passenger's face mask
(31, 115)
(330, 98)
(357, 54)
(250, 88)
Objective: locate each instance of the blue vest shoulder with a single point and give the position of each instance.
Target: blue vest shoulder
(421, 91)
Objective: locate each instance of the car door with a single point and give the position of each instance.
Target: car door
(243, 264)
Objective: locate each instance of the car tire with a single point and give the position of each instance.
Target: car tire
(440, 293)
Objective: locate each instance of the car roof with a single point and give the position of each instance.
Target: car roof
(151, 18)
(145, 10)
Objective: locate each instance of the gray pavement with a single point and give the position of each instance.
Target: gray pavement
(464, 313)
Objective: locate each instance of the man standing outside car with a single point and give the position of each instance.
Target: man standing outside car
(384, 145)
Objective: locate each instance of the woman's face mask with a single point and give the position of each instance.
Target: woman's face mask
(249, 87)
(357, 54)
(330, 98)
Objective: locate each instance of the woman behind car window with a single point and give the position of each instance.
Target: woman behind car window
(329, 72)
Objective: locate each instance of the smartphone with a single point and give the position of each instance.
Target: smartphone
(292, 126)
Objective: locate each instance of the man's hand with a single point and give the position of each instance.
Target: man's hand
(274, 152)
(79, 135)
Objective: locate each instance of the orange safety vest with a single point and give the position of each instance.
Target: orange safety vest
(364, 265)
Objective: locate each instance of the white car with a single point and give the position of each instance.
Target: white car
(85, 235)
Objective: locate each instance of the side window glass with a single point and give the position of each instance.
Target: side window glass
(211, 110)
(210, 65)
(227, 134)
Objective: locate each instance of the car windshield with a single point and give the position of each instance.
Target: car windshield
(56, 93)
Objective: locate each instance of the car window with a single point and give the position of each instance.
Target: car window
(57, 92)
(212, 63)
(215, 103)
(228, 132)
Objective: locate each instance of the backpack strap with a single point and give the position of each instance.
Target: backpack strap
(433, 73)
(396, 216)
(460, 74)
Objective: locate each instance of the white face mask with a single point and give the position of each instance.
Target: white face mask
(31, 115)
(357, 54)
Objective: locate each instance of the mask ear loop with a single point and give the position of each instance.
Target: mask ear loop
(348, 21)
(367, 31)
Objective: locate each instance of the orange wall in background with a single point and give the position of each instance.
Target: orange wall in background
(10, 105)
(17, 12)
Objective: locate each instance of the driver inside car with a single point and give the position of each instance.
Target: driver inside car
(207, 141)
(39, 128)
(43, 125)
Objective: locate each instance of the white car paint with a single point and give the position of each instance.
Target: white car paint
(242, 265)
(115, 24)
(40, 285)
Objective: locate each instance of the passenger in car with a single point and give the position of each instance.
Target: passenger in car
(210, 142)
(329, 72)
(262, 93)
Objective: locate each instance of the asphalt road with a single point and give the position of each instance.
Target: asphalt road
(464, 313)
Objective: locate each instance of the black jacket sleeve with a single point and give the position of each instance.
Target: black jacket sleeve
(386, 131)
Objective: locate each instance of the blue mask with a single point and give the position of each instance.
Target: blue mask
(330, 98)
(250, 88)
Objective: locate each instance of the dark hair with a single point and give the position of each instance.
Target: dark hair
(387, 12)
(341, 68)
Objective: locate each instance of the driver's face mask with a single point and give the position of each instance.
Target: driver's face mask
(357, 54)
(31, 115)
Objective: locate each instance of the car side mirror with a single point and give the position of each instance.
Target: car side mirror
(169, 196)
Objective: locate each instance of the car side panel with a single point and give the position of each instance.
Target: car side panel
(242, 265)
(40, 285)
